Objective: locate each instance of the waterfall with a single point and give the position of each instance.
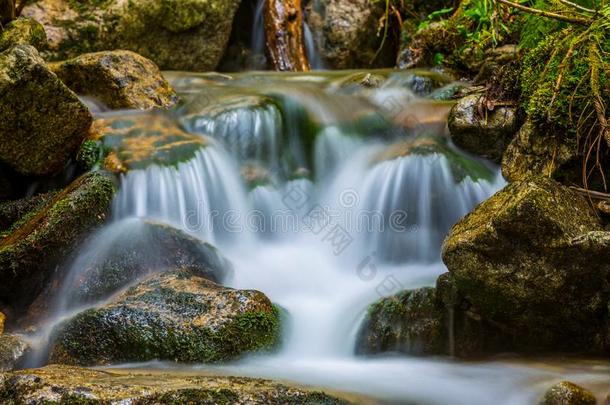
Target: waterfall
(346, 211)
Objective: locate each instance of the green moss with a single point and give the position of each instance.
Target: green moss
(90, 154)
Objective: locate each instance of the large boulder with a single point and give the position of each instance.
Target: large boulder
(138, 140)
(346, 33)
(35, 244)
(23, 31)
(568, 393)
(119, 79)
(533, 260)
(477, 130)
(175, 34)
(72, 385)
(42, 122)
(174, 316)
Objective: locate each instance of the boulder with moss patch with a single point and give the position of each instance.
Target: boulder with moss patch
(35, 244)
(42, 122)
(72, 385)
(568, 393)
(119, 79)
(477, 130)
(138, 140)
(138, 248)
(549, 293)
(23, 31)
(174, 316)
(175, 34)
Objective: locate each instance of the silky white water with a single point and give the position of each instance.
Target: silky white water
(338, 224)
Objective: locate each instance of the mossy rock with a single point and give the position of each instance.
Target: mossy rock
(549, 292)
(462, 166)
(141, 248)
(137, 140)
(23, 31)
(173, 316)
(13, 211)
(72, 385)
(479, 131)
(186, 35)
(13, 349)
(42, 238)
(119, 79)
(410, 322)
(568, 393)
(429, 322)
(42, 122)
(533, 152)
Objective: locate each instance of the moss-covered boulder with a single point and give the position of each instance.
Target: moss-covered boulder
(138, 248)
(138, 140)
(568, 393)
(479, 131)
(23, 31)
(175, 316)
(549, 291)
(42, 122)
(409, 322)
(532, 153)
(119, 79)
(34, 246)
(13, 349)
(72, 385)
(175, 34)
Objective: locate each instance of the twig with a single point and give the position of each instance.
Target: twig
(573, 20)
(594, 194)
(578, 6)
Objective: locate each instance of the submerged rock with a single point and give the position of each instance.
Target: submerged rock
(141, 248)
(71, 385)
(479, 131)
(119, 79)
(461, 166)
(13, 349)
(136, 141)
(568, 393)
(23, 31)
(42, 122)
(176, 34)
(549, 291)
(173, 316)
(43, 237)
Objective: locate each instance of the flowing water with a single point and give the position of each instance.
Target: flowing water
(350, 203)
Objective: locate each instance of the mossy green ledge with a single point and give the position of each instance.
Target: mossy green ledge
(42, 238)
(75, 386)
(175, 316)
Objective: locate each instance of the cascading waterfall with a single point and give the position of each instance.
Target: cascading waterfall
(345, 224)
